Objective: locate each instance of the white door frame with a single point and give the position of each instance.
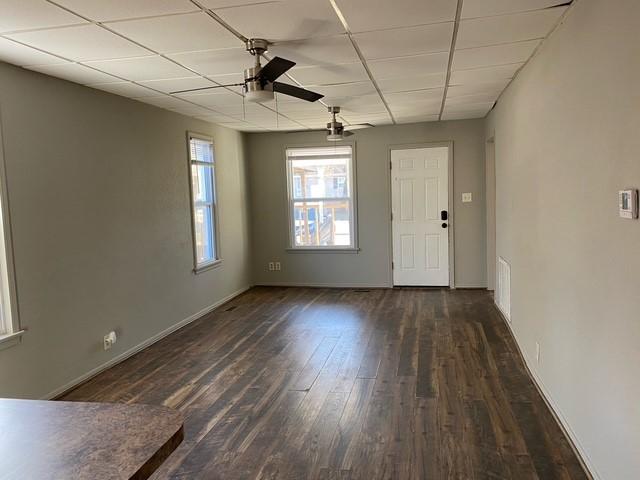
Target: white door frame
(451, 229)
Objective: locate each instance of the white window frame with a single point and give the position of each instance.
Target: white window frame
(10, 331)
(353, 217)
(217, 258)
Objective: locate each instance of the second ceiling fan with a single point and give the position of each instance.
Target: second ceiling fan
(260, 81)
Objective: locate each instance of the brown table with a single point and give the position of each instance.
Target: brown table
(41, 440)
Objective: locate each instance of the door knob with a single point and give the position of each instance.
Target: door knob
(444, 225)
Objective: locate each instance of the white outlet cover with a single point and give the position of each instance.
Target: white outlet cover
(467, 197)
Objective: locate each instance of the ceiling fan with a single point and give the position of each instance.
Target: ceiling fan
(336, 131)
(260, 81)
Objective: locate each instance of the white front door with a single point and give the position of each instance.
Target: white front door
(420, 216)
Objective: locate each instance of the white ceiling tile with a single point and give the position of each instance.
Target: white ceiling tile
(170, 85)
(487, 8)
(366, 15)
(366, 103)
(216, 62)
(125, 89)
(142, 68)
(330, 74)
(317, 51)
(108, 10)
(214, 117)
(494, 55)
(286, 20)
(12, 52)
(218, 97)
(214, 4)
(80, 43)
(406, 110)
(429, 95)
(468, 107)
(410, 66)
(489, 97)
(404, 84)
(178, 33)
(405, 41)
(417, 118)
(466, 115)
(484, 74)
(352, 89)
(480, 32)
(190, 110)
(164, 101)
(32, 14)
(74, 73)
(240, 126)
(477, 88)
(301, 107)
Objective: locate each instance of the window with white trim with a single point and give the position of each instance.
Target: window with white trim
(203, 201)
(321, 197)
(9, 326)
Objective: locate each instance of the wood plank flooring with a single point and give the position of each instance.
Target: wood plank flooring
(300, 383)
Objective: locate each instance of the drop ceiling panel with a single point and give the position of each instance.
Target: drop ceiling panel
(405, 41)
(404, 84)
(20, 55)
(469, 107)
(464, 115)
(484, 74)
(214, 4)
(487, 8)
(480, 32)
(367, 15)
(81, 43)
(216, 62)
(488, 97)
(316, 51)
(178, 33)
(330, 74)
(164, 101)
(126, 89)
(417, 118)
(284, 20)
(191, 110)
(477, 88)
(74, 73)
(142, 68)
(107, 10)
(32, 14)
(494, 55)
(346, 89)
(406, 67)
(219, 97)
(177, 84)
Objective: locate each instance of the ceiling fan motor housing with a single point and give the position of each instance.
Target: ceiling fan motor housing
(255, 90)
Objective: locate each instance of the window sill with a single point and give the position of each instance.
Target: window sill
(10, 339)
(323, 250)
(207, 266)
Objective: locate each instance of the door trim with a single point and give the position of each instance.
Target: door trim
(451, 229)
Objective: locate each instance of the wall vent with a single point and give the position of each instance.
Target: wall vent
(503, 291)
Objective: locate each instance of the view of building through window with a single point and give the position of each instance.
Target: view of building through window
(321, 204)
(203, 192)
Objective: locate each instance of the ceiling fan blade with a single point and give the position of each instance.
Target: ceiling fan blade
(357, 126)
(206, 88)
(297, 92)
(347, 133)
(276, 67)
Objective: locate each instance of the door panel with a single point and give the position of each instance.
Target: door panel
(420, 192)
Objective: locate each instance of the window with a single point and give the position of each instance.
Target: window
(321, 197)
(203, 205)
(9, 327)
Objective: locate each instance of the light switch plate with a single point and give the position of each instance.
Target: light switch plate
(467, 197)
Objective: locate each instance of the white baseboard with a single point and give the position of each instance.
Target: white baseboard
(559, 417)
(320, 285)
(141, 346)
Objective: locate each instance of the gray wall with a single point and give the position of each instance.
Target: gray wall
(99, 204)
(371, 266)
(567, 140)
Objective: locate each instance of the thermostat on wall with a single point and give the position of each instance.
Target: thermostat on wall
(628, 200)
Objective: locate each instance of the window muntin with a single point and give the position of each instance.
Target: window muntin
(204, 212)
(321, 204)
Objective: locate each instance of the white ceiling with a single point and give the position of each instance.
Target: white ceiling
(382, 61)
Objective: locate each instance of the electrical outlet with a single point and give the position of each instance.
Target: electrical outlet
(109, 340)
(537, 352)
(278, 267)
(467, 197)
(272, 266)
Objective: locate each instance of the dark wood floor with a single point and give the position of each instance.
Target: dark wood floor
(346, 384)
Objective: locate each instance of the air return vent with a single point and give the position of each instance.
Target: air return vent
(503, 293)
